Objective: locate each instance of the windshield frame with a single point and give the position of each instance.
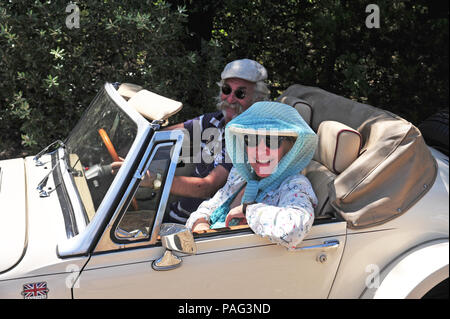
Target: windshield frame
(89, 234)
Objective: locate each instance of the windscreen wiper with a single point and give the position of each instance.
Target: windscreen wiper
(58, 143)
(43, 182)
(46, 192)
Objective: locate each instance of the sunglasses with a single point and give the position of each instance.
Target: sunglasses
(239, 93)
(271, 141)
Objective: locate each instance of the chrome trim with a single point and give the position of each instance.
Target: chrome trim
(329, 244)
(106, 243)
(168, 261)
(179, 136)
(137, 177)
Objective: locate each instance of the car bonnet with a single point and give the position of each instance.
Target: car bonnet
(13, 213)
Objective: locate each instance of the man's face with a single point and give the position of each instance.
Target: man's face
(236, 96)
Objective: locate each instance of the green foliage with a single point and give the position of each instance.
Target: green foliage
(401, 67)
(50, 73)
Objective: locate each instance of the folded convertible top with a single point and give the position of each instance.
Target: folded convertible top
(395, 168)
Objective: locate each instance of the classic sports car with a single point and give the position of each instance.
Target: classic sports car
(71, 229)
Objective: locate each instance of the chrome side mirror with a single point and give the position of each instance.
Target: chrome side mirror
(174, 237)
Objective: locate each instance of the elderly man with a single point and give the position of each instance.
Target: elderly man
(242, 84)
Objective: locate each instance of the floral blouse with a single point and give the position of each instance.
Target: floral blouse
(285, 215)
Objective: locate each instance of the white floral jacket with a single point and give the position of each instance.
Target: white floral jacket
(285, 215)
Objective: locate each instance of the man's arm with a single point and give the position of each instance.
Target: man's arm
(198, 187)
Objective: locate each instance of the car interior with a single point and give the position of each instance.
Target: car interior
(363, 156)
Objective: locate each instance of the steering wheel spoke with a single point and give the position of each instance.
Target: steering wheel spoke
(115, 157)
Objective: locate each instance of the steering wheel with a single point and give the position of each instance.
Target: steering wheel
(115, 157)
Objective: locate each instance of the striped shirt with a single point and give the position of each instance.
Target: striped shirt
(209, 129)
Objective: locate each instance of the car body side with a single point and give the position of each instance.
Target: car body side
(369, 252)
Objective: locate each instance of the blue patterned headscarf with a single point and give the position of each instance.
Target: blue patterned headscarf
(272, 118)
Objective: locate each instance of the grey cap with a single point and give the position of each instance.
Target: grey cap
(245, 69)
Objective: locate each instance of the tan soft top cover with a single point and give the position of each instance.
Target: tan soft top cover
(395, 168)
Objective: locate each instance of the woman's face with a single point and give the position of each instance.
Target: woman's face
(264, 159)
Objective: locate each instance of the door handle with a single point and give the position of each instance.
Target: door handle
(327, 245)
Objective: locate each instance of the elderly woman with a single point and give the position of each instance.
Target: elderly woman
(269, 145)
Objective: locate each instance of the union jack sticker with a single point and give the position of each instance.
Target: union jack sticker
(36, 290)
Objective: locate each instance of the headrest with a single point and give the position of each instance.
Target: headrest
(127, 90)
(302, 107)
(154, 106)
(339, 146)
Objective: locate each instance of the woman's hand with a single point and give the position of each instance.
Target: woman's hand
(236, 213)
(200, 225)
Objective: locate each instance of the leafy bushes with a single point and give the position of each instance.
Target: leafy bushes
(401, 66)
(49, 73)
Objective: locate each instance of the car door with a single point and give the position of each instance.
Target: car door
(234, 263)
(231, 265)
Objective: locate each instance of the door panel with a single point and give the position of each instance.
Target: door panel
(225, 266)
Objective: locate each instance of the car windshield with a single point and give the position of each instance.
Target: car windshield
(104, 135)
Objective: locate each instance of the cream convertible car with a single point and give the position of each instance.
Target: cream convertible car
(70, 229)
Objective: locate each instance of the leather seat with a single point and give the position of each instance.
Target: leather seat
(338, 147)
